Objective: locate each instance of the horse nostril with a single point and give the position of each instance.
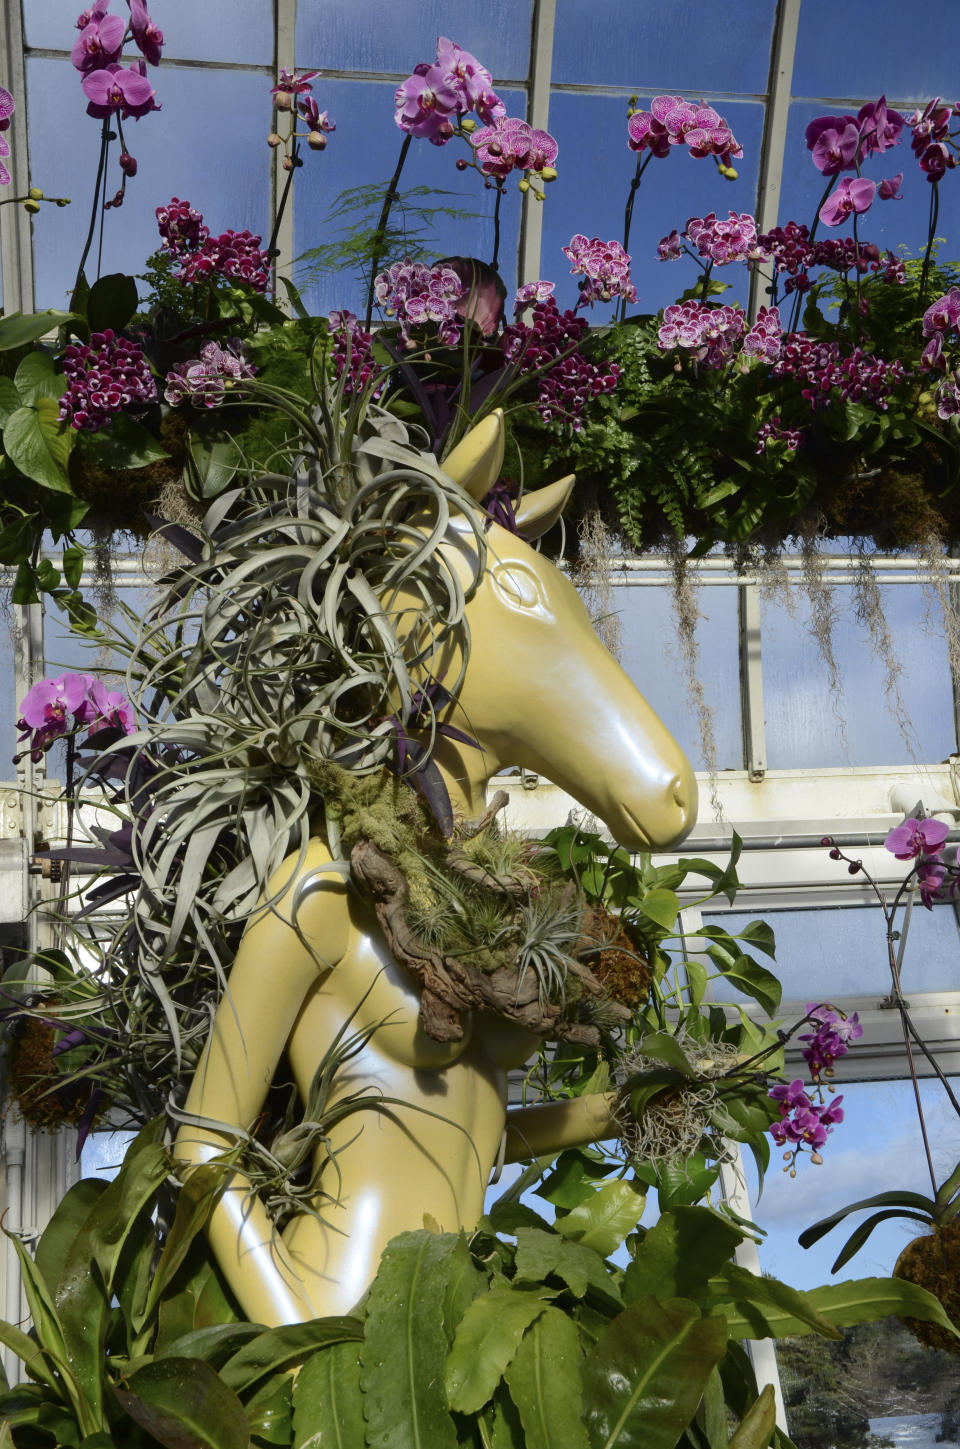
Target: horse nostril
(678, 793)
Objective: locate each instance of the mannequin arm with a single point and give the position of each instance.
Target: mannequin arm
(275, 968)
(537, 1131)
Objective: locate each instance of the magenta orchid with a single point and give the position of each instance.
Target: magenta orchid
(99, 42)
(7, 107)
(431, 101)
(117, 88)
(147, 36)
(205, 381)
(47, 707)
(512, 145)
(917, 838)
(106, 376)
(672, 121)
(853, 195)
(417, 296)
(605, 268)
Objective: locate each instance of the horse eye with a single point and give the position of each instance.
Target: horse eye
(520, 586)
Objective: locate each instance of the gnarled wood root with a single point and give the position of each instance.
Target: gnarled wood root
(450, 986)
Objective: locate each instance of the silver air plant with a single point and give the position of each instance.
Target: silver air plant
(668, 1090)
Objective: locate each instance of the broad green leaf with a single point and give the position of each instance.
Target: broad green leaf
(9, 400)
(861, 1233)
(696, 974)
(69, 1216)
(679, 1254)
(540, 1254)
(111, 302)
(214, 466)
(465, 1283)
(861, 1300)
(86, 1281)
(764, 1298)
(814, 1233)
(39, 445)
(662, 907)
(486, 1340)
(327, 1402)
(270, 1411)
(644, 1378)
(604, 1220)
(71, 561)
(35, 1359)
(185, 1405)
(758, 1424)
(544, 1383)
(195, 1202)
(214, 1344)
(124, 444)
(36, 377)
(405, 1345)
(572, 1180)
(748, 976)
(283, 1348)
(18, 330)
(662, 1046)
(507, 1431)
(760, 936)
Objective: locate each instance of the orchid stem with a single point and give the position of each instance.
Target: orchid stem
(285, 195)
(380, 235)
(642, 164)
(495, 259)
(934, 215)
(95, 211)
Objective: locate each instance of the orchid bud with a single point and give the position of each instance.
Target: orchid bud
(467, 125)
(523, 184)
(317, 141)
(128, 164)
(287, 164)
(548, 173)
(461, 163)
(35, 194)
(274, 140)
(31, 206)
(283, 100)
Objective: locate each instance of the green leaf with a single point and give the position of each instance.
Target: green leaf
(213, 466)
(9, 400)
(861, 1300)
(662, 1046)
(541, 1254)
(465, 1283)
(748, 976)
(69, 1216)
(37, 377)
(185, 1405)
(662, 907)
(679, 1254)
(270, 1411)
(544, 1384)
(124, 444)
(72, 564)
(711, 1416)
(765, 1298)
(39, 445)
(604, 1220)
(758, 1424)
(283, 1348)
(111, 302)
(486, 1340)
(572, 1180)
(214, 1343)
(898, 1198)
(644, 1378)
(405, 1345)
(760, 936)
(195, 1202)
(861, 1233)
(327, 1402)
(18, 330)
(696, 974)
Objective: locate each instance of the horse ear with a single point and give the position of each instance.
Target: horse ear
(540, 510)
(476, 461)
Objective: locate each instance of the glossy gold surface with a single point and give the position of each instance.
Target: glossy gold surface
(540, 691)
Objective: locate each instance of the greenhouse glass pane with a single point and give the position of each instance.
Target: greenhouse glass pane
(207, 144)
(888, 223)
(651, 656)
(808, 726)
(641, 44)
(381, 35)
(103, 1153)
(363, 153)
(590, 197)
(841, 951)
(66, 652)
(847, 49)
(224, 30)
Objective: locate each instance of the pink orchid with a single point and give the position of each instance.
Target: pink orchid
(7, 105)
(117, 88)
(889, 188)
(147, 37)
(854, 194)
(917, 837)
(99, 42)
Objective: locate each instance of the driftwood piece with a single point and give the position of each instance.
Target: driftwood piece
(450, 985)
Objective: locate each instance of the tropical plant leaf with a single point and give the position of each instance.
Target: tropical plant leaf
(757, 1425)
(766, 1298)
(405, 1345)
(37, 377)
(645, 1376)
(486, 1340)
(124, 444)
(896, 1198)
(327, 1400)
(18, 330)
(678, 1255)
(270, 1411)
(39, 445)
(195, 1202)
(185, 1405)
(283, 1348)
(69, 1216)
(862, 1232)
(544, 1383)
(603, 1221)
(111, 302)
